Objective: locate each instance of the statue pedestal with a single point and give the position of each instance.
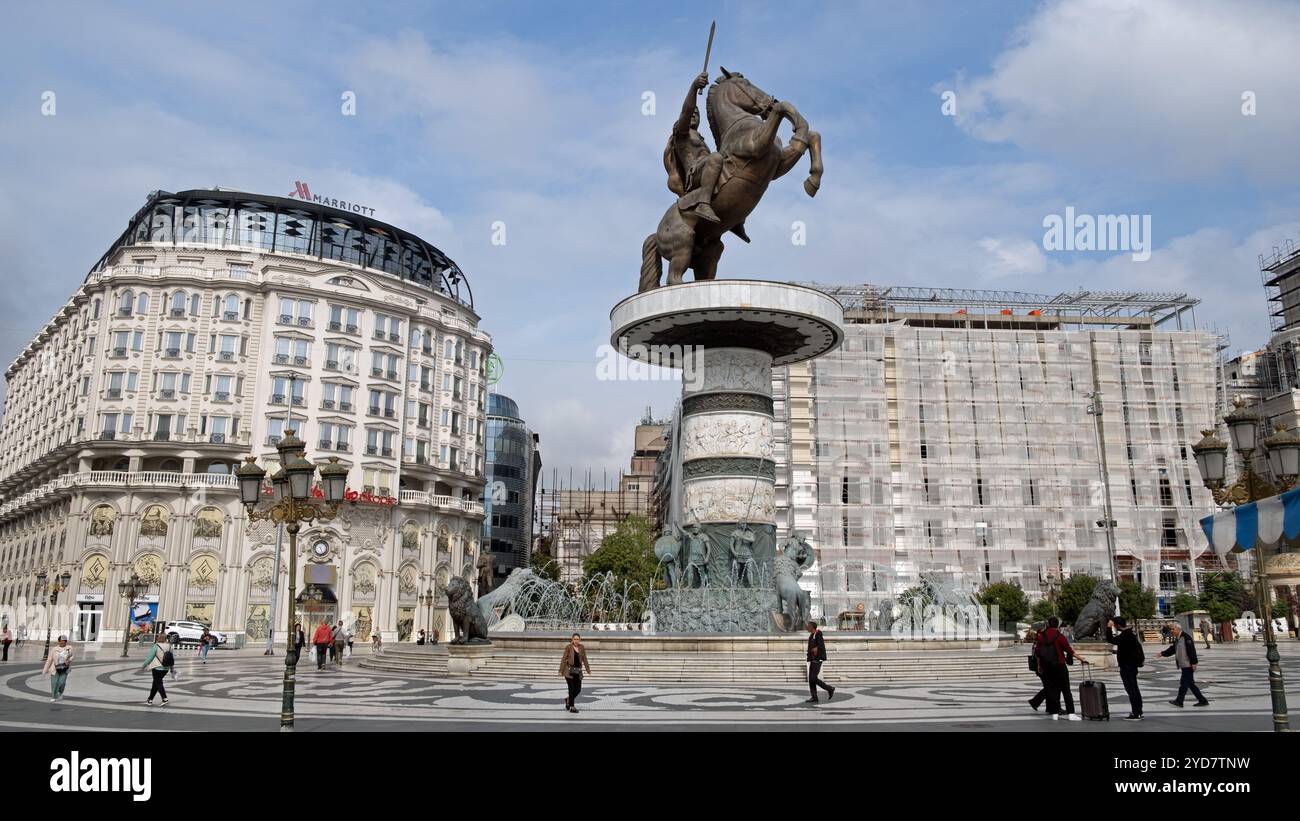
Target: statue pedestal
(463, 658)
(726, 336)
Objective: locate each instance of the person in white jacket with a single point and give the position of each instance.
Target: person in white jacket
(57, 666)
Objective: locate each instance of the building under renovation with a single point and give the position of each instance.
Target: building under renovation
(984, 435)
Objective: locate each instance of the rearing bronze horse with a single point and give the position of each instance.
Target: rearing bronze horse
(744, 120)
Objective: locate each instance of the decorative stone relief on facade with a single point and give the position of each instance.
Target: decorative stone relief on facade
(730, 500)
(203, 575)
(94, 573)
(258, 623)
(153, 522)
(406, 585)
(726, 434)
(102, 519)
(261, 573)
(208, 523)
(411, 536)
(364, 624)
(734, 369)
(149, 568)
(363, 581)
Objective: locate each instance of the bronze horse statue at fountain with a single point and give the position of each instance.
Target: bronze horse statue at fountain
(744, 120)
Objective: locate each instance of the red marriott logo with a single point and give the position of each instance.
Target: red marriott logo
(302, 191)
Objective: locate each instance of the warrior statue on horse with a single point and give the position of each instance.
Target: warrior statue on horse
(717, 190)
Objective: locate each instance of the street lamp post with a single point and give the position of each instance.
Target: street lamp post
(129, 589)
(426, 599)
(52, 588)
(1283, 451)
(292, 506)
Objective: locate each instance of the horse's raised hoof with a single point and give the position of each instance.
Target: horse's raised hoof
(811, 186)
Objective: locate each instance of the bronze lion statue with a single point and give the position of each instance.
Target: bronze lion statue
(466, 618)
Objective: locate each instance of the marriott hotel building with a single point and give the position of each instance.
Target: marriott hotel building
(217, 321)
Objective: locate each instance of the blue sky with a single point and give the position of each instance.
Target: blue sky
(531, 114)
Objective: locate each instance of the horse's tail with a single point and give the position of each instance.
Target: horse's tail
(651, 267)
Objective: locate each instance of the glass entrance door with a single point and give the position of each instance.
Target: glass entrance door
(88, 622)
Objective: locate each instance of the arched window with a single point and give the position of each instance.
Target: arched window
(142, 305)
(170, 466)
(195, 301)
(232, 306)
(451, 349)
(178, 303)
(96, 316)
(126, 302)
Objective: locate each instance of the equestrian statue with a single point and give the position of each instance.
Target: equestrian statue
(717, 190)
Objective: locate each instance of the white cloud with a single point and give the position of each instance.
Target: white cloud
(1152, 87)
(1007, 257)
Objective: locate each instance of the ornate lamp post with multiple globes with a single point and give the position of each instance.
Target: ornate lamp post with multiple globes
(1283, 451)
(427, 599)
(291, 505)
(128, 589)
(51, 588)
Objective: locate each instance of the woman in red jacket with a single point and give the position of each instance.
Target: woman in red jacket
(322, 638)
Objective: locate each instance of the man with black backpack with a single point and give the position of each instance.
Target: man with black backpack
(1129, 656)
(1052, 652)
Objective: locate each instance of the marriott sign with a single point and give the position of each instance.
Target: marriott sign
(303, 192)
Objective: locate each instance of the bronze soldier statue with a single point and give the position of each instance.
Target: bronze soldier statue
(692, 168)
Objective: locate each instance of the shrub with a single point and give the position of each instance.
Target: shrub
(1011, 601)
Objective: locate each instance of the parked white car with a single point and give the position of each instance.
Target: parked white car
(190, 632)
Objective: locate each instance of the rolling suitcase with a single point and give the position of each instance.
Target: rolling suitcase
(1092, 700)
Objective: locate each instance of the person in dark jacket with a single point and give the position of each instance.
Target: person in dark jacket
(1184, 652)
(1054, 652)
(572, 663)
(816, 657)
(1129, 656)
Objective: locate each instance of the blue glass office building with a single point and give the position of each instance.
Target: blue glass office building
(513, 464)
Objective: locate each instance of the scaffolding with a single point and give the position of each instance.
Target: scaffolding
(969, 451)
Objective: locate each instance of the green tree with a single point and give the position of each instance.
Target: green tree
(542, 560)
(628, 553)
(1073, 595)
(1042, 610)
(1011, 601)
(1225, 597)
(1281, 609)
(1184, 603)
(1135, 601)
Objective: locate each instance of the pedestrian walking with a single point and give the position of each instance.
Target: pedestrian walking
(299, 639)
(6, 638)
(160, 662)
(340, 638)
(1052, 652)
(205, 644)
(816, 658)
(321, 638)
(1184, 653)
(376, 642)
(1205, 631)
(1164, 633)
(1295, 619)
(57, 666)
(572, 664)
(1129, 656)
(22, 635)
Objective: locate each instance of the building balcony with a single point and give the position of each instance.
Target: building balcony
(172, 353)
(379, 334)
(113, 393)
(373, 410)
(304, 322)
(285, 319)
(327, 404)
(345, 406)
(221, 396)
(217, 438)
(335, 325)
(230, 316)
(117, 353)
(177, 313)
(377, 372)
(331, 364)
(300, 360)
(394, 337)
(166, 393)
(183, 482)
(391, 374)
(282, 359)
(226, 356)
(325, 444)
